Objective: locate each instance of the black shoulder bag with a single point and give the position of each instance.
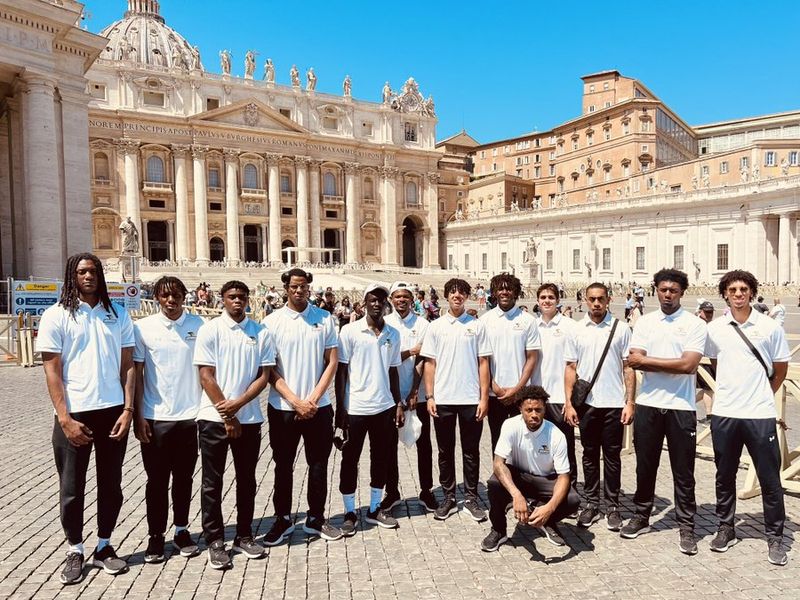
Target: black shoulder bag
(755, 352)
(581, 389)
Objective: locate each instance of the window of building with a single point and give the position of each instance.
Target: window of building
(591, 89)
(286, 112)
(591, 108)
(410, 132)
(101, 169)
(153, 98)
(331, 214)
(287, 211)
(552, 155)
(722, 257)
(644, 126)
(503, 260)
(744, 162)
(590, 178)
(575, 144)
(483, 153)
(215, 206)
(155, 203)
(286, 183)
(328, 184)
(589, 139)
(250, 176)
(576, 259)
(212, 103)
(640, 258)
(607, 133)
(704, 170)
(560, 185)
(626, 169)
(537, 172)
(552, 170)
(411, 193)
(494, 151)
(548, 259)
(645, 148)
(494, 166)
(368, 188)
(607, 104)
(793, 157)
(519, 172)
(97, 90)
(605, 85)
(677, 257)
(635, 185)
(519, 161)
(537, 158)
(607, 174)
(213, 177)
(527, 160)
(606, 259)
(769, 158)
(366, 129)
(484, 261)
(626, 128)
(723, 167)
(466, 262)
(155, 169)
(331, 123)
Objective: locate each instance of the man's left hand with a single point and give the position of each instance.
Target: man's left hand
(540, 515)
(120, 429)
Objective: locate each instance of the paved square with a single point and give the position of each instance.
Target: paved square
(424, 558)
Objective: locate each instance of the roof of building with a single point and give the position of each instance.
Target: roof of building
(462, 138)
(744, 121)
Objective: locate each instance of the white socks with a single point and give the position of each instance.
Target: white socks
(349, 503)
(77, 548)
(375, 497)
(179, 528)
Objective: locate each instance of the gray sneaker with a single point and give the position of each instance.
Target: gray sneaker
(322, 528)
(688, 543)
(249, 547)
(349, 524)
(108, 560)
(635, 527)
(553, 535)
(218, 557)
(73, 569)
(474, 510)
(613, 520)
(777, 555)
(725, 538)
(381, 518)
(493, 541)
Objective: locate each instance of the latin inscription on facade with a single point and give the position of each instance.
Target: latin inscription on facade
(25, 40)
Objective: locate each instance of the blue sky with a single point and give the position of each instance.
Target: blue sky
(501, 69)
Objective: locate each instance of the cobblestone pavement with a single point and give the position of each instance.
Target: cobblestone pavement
(424, 558)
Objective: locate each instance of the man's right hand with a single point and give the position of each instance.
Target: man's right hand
(141, 429)
(570, 415)
(233, 428)
(76, 432)
(520, 506)
(304, 409)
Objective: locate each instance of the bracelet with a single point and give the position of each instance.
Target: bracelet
(428, 396)
(128, 409)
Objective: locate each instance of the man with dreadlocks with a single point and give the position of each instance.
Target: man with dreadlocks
(87, 350)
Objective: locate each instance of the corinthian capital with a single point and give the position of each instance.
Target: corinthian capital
(231, 154)
(180, 150)
(351, 168)
(272, 158)
(389, 172)
(128, 146)
(302, 161)
(199, 152)
(433, 178)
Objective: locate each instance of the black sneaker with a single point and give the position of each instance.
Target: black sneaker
(108, 560)
(553, 535)
(248, 546)
(73, 569)
(725, 538)
(635, 527)
(391, 500)
(474, 510)
(777, 555)
(280, 530)
(688, 543)
(155, 549)
(323, 529)
(428, 501)
(348, 528)
(445, 509)
(588, 517)
(493, 541)
(381, 518)
(613, 520)
(184, 544)
(218, 557)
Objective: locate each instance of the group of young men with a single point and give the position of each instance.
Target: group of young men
(188, 385)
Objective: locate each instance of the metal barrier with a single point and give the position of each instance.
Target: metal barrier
(8, 346)
(26, 336)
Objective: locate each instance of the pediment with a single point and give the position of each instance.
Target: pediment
(249, 113)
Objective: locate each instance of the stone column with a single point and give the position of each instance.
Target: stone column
(241, 242)
(75, 148)
(179, 154)
(145, 239)
(232, 205)
(316, 226)
(351, 211)
(389, 214)
(301, 169)
(274, 207)
(784, 249)
(130, 150)
(432, 198)
(200, 204)
(171, 238)
(264, 246)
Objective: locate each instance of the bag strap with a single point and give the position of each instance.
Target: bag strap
(752, 348)
(603, 356)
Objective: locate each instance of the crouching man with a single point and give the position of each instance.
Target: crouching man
(531, 470)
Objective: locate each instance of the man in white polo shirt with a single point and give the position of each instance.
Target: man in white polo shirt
(412, 330)
(456, 351)
(666, 347)
(167, 400)
(554, 331)
(514, 338)
(87, 351)
(530, 465)
(235, 356)
(744, 414)
(299, 406)
(608, 406)
(368, 403)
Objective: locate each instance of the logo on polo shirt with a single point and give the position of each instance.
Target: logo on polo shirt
(251, 340)
(387, 342)
(190, 336)
(517, 326)
(316, 326)
(109, 318)
(544, 449)
(469, 332)
(557, 332)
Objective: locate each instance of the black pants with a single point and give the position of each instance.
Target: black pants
(214, 444)
(72, 464)
(470, 431)
(552, 413)
(498, 413)
(650, 427)
(172, 450)
(760, 438)
(380, 429)
(284, 436)
(534, 487)
(424, 455)
(601, 429)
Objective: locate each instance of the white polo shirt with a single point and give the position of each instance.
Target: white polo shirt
(743, 389)
(668, 336)
(412, 333)
(511, 334)
(90, 346)
(236, 351)
(171, 381)
(541, 452)
(300, 341)
(549, 372)
(456, 344)
(585, 346)
(369, 357)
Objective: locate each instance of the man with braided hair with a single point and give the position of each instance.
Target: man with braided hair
(87, 350)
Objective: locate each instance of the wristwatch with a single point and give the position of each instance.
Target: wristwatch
(428, 396)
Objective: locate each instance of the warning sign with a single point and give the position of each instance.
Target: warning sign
(126, 295)
(33, 297)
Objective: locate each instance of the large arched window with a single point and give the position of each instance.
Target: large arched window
(101, 170)
(250, 177)
(155, 169)
(411, 193)
(286, 182)
(328, 184)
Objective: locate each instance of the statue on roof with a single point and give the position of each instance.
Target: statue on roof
(225, 61)
(387, 93)
(196, 64)
(294, 74)
(178, 61)
(347, 86)
(249, 64)
(311, 80)
(410, 100)
(269, 71)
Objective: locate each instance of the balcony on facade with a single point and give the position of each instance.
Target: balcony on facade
(156, 187)
(253, 193)
(333, 200)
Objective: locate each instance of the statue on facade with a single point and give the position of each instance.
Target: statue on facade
(530, 250)
(588, 268)
(694, 182)
(178, 61)
(124, 48)
(347, 86)
(664, 185)
(429, 107)
(696, 268)
(269, 71)
(130, 237)
(225, 62)
(756, 173)
(459, 214)
(196, 64)
(743, 174)
(514, 206)
(386, 94)
(706, 181)
(784, 167)
(294, 74)
(249, 64)
(311, 80)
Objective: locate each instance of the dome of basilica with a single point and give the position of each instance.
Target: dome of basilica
(142, 37)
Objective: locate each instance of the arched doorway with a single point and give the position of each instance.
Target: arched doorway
(252, 244)
(412, 243)
(157, 241)
(284, 254)
(331, 238)
(216, 249)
